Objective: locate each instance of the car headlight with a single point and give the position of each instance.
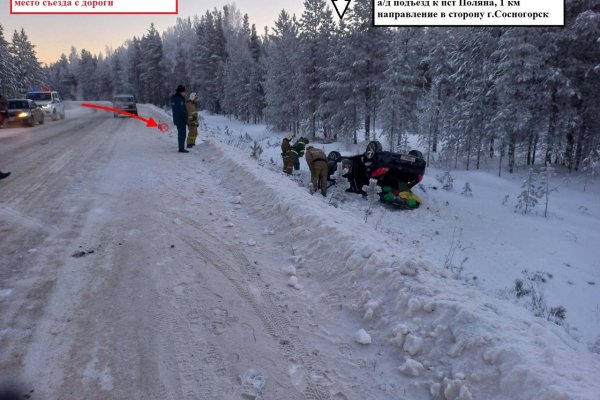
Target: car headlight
(46, 106)
(23, 115)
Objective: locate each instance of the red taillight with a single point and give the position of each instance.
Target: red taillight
(420, 178)
(379, 172)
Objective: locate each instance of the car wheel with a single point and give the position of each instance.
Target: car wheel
(334, 156)
(373, 148)
(31, 122)
(54, 115)
(416, 153)
(42, 120)
(62, 115)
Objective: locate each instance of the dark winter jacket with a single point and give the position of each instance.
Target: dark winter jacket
(180, 114)
(298, 147)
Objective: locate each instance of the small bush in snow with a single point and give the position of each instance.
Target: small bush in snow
(256, 150)
(467, 191)
(337, 190)
(531, 290)
(373, 191)
(530, 194)
(447, 181)
(590, 167)
(505, 201)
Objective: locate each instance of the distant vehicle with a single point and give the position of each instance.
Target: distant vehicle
(50, 101)
(396, 173)
(125, 102)
(25, 111)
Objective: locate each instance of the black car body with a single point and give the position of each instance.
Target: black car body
(125, 102)
(25, 111)
(395, 172)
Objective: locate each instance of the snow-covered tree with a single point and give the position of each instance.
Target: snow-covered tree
(8, 71)
(467, 191)
(372, 190)
(401, 88)
(529, 196)
(151, 68)
(28, 70)
(315, 30)
(447, 181)
(282, 71)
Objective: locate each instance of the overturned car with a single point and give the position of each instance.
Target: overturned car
(396, 173)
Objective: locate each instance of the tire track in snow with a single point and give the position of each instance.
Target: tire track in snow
(275, 324)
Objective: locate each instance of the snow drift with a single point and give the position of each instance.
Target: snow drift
(454, 341)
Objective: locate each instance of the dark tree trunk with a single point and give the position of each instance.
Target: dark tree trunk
(569, 152)
(535, 145)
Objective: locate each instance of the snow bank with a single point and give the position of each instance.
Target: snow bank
(469, 345)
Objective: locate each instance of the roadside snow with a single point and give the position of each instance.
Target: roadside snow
(471, 345)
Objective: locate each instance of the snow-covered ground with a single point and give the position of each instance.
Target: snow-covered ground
(152, 274)
(480, 238)
(446, 311)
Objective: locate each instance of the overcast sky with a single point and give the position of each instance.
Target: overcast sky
(55, 34)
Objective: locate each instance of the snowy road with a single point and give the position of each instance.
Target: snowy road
(121, 279)
(129, 271)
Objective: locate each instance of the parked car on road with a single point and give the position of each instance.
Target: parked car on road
(50, 102)
(25, 111)
(125, 102)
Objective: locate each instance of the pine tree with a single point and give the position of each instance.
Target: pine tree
(519, 76)
(316, 27)
(88, 63)
(370, 46)
(467, 191)
(8, 71)
(447, 181)
(400, 90)
(529, 196)
(282, 94)
(151, 68)
(29, 73)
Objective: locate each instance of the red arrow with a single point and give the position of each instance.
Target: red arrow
(150, 122)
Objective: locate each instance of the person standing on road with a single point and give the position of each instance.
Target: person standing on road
(4, 175)
(193, 120)
(286, 154)
(317, 163)
(180, 116)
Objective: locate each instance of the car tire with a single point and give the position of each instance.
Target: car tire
(373, 148)
(62, 115)
(54, 115)
(42, 120)
(416, 153)
(31, 122)
(334, 156)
